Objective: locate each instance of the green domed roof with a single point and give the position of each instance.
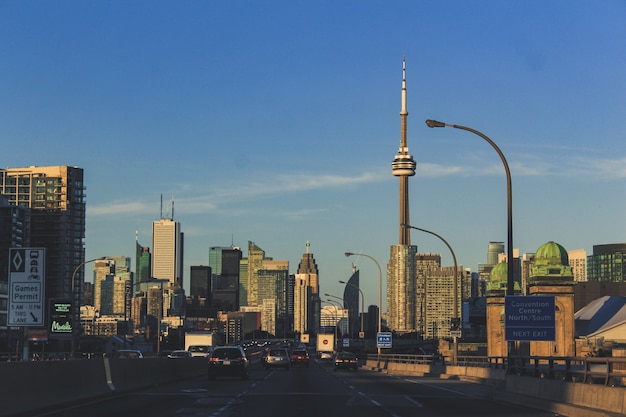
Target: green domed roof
(551, 253)
(498, 280)
(499, 273)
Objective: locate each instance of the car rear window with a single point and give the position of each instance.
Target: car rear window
(278, 352)
(299, 352)
(227, 353)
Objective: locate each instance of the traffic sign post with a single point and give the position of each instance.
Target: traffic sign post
(384, 340)
(529, 318)
(26, 287)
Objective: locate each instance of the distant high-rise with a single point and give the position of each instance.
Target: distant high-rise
(494, 249)
(423, 263)
(607, 264)
(256, 256)
(273, 278)
(578, 262)
(351, 298)
(198, 303)
(243, 282)
(143, 262)
(401, 307)
(306, 294)
(167, 250)
(440, 303)
(200, 281)
(102, 269)
(224, 263)
(56, 197)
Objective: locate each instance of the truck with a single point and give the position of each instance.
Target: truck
(325, 345)
(202, 343)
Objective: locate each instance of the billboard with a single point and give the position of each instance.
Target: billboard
(27, 269)
(60, 311)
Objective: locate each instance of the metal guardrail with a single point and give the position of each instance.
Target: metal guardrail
(608, 371)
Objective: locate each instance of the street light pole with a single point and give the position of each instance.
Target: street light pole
(362, 301)
(456, 284)
(380, 292)
(510, 279)
(75, 310)
(336, 319)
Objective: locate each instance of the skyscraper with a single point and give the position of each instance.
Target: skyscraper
(55, 195)
(224, 263)
(143, 262)
(351, 297)
(167, 250)
(102, 269)
(273, 278)
(306, 294)
(401, 307)
(256, 255)
(423, 262)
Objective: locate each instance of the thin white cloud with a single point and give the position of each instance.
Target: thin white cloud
(119, 208)
(210, 201)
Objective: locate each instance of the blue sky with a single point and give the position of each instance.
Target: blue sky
(277, 121)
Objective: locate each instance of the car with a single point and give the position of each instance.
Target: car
(228, 361)
(178, 354)
(300, 356)
(325, 355)
(200, 350)
(127, 354)
(346, 360)
(277, 358)
(164, 353)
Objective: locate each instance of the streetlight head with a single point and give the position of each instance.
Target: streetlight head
(348, 254)
(342, 282)
(434, 123)
(327, 295)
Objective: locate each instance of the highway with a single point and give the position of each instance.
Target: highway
(303, 392)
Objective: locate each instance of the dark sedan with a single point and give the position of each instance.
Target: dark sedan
(347, 361)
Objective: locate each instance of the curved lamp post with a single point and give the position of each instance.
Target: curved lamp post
(456, 282)
(362, 301)
(510, 280)
(380, 291)
(75, 305)
(335, 318)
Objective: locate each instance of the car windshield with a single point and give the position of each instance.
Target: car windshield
(199, 349)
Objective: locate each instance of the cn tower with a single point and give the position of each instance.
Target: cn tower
(403, 166)
(401, 270)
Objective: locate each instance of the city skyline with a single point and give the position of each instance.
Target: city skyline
(277, 123)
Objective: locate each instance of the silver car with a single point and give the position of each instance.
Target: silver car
(277, 357)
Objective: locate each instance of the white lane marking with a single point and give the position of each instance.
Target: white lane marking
(416, 403)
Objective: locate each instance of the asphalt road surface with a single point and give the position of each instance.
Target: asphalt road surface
(316, 391)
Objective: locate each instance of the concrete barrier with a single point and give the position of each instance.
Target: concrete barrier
(567, 398)
(28, 386)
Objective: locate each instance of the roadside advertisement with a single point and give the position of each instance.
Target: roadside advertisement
(60, 311)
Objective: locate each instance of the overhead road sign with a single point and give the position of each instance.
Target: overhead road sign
(529, 318)
(384, 340)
